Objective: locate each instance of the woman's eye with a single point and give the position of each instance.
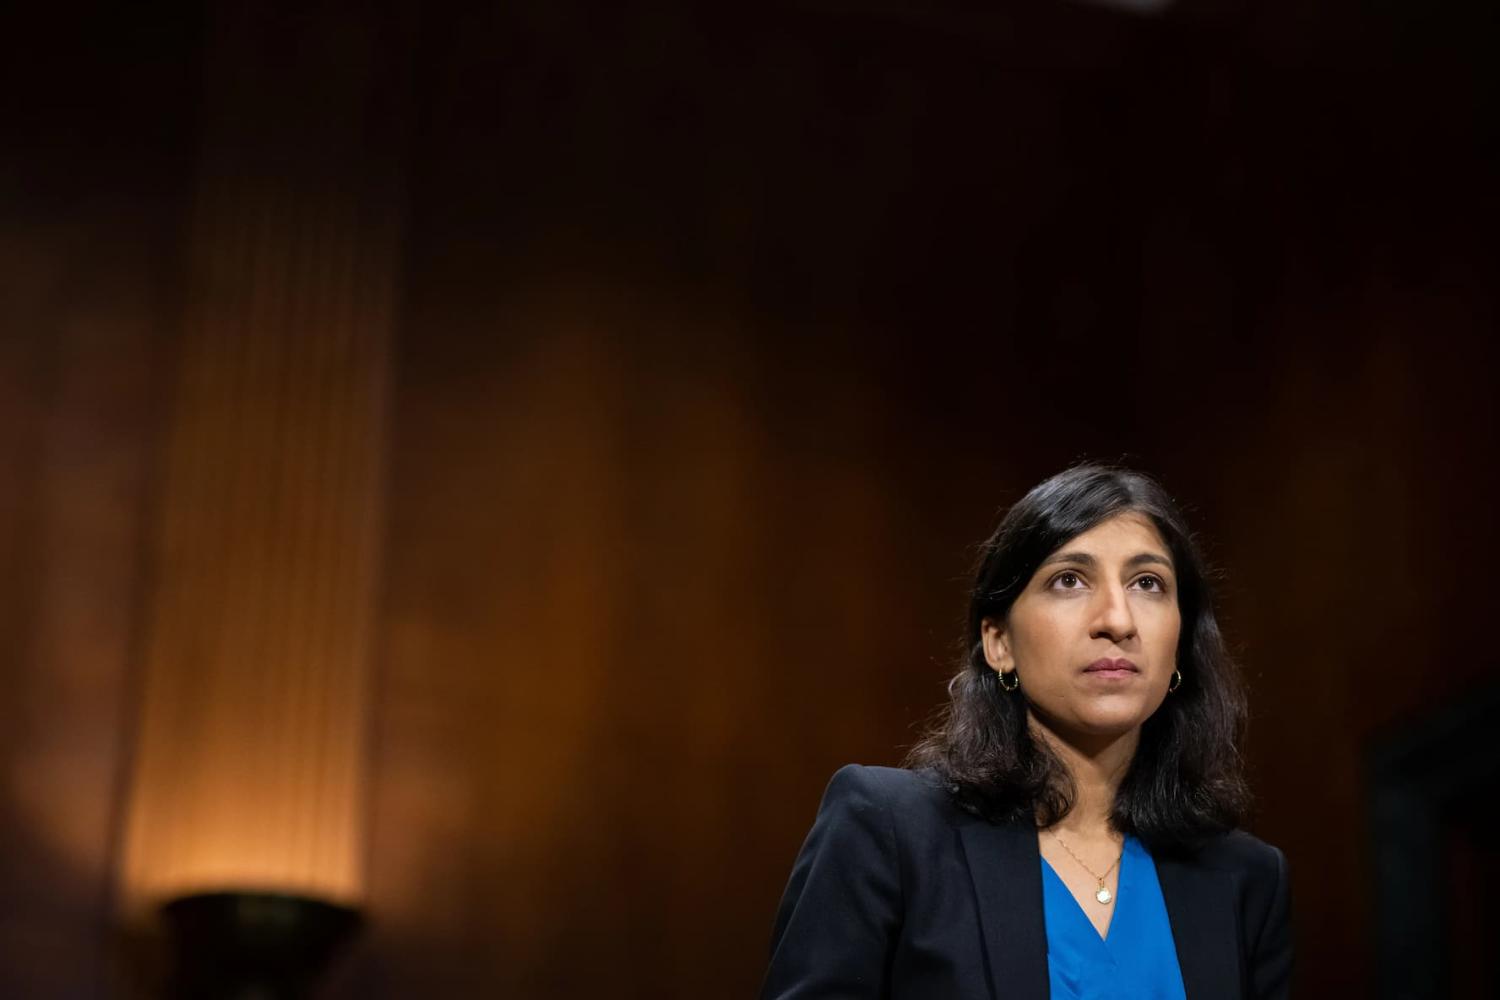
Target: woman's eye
(1067, 581)
(1153, 584)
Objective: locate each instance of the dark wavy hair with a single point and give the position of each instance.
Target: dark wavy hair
(1186, 781)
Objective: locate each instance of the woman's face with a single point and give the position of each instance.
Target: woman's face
(1093, 637)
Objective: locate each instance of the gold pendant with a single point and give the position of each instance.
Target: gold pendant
(1103, 895)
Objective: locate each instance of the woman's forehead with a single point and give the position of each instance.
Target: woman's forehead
(1127, 534)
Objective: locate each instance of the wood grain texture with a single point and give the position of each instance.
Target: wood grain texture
(250, 769)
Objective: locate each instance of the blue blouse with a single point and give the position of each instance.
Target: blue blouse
(1135, 960)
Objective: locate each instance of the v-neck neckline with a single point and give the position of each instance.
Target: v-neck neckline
(1114, 915)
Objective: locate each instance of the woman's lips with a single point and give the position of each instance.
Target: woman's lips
(1111, 668)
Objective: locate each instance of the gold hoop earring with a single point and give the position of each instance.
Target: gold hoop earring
(1176, 681)
(1015, 681)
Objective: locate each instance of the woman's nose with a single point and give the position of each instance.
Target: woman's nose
(1112, 618)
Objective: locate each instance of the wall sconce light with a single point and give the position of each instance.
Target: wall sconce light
(252, 945)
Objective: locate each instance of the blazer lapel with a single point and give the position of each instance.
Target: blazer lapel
(1007, 871)
(1201, 906)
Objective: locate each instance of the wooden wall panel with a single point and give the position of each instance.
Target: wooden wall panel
(77, 456)
(250, 770)
(90, 198)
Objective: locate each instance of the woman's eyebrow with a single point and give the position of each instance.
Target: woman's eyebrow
(1081, 558)
(1087, 559)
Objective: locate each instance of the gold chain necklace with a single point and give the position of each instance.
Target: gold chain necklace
(1103, 895)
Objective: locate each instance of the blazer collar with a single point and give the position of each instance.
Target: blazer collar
(1201, 906)
(1006, 868)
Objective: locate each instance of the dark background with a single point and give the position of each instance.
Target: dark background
(724, 333)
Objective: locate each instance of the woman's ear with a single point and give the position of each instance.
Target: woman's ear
(996, 644)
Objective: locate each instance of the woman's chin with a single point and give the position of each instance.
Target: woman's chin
(1114, 714)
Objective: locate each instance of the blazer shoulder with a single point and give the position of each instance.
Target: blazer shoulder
(907, 794)
(1238, 851)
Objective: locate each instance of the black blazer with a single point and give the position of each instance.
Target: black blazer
(899, 894)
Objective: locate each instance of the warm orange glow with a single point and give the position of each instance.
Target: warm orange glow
(250, 762)
(249, 767)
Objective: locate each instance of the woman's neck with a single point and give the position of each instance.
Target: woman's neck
(1097, 765)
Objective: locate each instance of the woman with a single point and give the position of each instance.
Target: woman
(1069, 826)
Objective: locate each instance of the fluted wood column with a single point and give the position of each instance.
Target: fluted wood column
(250, 761)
